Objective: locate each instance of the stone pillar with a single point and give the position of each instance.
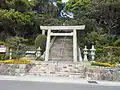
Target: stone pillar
(43, 32)
(47, 45)
(74, 45)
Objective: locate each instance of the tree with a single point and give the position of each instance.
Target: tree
(21, 5)
(104, 13)
(4, 4)
(46, 7)
(17, 43)
(72, 5)
(15, 22)
(40, 41)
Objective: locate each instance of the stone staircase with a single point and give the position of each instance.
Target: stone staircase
(62, 49)
(58, 69)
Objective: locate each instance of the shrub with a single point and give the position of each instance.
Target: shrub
(114, 51)
(109, 54)
(115, 60)
(40, 41)
(2, 57)
(99, 52)
(30, 42)
(2, 43)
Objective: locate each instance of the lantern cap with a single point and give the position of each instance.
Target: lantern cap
(85, 49)
(93, 48)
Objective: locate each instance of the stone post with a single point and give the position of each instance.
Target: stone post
(47, 45)
(74, 46)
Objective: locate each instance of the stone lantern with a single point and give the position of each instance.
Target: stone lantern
(93, 52)
(38, 52)
(85, 53)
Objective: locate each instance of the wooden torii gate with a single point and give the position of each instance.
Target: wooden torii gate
(49, 30)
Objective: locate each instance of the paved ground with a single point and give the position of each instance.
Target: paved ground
(54, 79)
(28, 85)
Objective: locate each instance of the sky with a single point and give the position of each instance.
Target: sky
(64, 0)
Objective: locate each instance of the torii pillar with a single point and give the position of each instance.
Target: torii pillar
(73, 34)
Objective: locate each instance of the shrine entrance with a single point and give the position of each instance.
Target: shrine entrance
(65, 31)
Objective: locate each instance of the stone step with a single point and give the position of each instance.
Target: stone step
(60, 60)
(63, 53)
(61, 57)
(64, 39)
(57, 48)
(60, 47)
(58, 42)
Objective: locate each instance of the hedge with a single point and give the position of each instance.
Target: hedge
(102, 64)
(16, 61)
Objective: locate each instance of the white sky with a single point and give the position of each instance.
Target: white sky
(64, 0)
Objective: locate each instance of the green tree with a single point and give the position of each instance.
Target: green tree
(15, 22)
(21, 5)
(17, 43)
(40, 41)
(72, 5)
(46, 7)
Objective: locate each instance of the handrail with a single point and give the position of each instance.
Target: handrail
(52, 41)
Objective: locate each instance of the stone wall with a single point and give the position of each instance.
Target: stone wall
(63, 69)
(44, 68)
(102, 73)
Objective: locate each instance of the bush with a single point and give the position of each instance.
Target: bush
(109, 54)
(2, 43)
(2, 57)
(99, 52)
(115, 60)
(30, 42)
(40, 41)
(114, 51)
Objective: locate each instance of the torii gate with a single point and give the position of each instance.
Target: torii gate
(73, 34)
